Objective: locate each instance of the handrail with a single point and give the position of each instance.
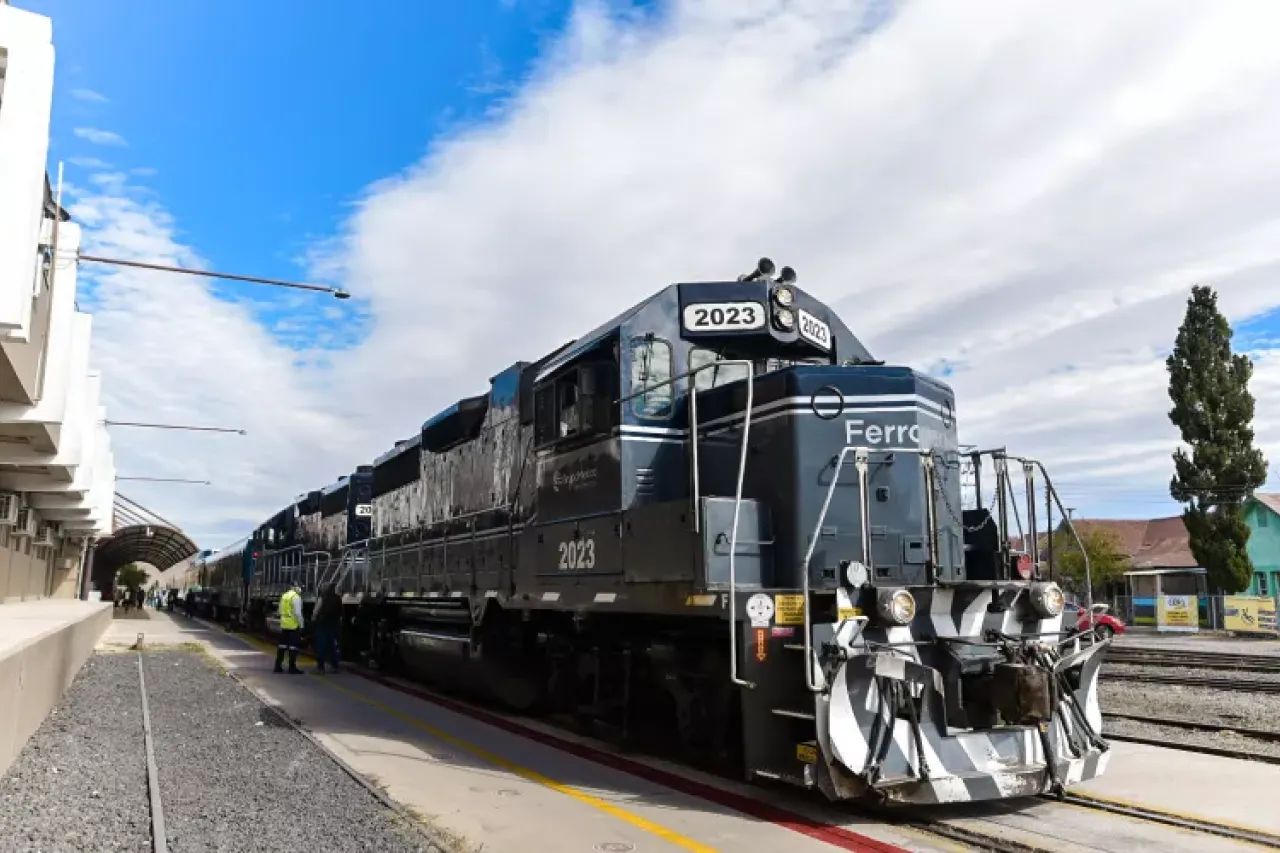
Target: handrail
(1066, 517)
(862, 457)
(737, 498)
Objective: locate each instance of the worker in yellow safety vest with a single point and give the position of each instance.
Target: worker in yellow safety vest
(290, 629)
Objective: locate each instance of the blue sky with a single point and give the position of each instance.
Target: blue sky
(259, 124)
(1036, 250)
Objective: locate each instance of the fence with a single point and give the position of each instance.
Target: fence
(1215, 612)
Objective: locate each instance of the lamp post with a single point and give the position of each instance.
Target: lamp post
(337, 292)
(175, 426)
(166, 480)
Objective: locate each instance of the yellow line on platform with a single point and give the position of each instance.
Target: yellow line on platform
(668, 835)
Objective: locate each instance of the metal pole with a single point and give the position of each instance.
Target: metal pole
(86, 569)
(167, 480)
(174, 426)
(337, 292)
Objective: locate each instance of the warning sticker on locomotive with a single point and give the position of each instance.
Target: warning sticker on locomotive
(807, 752)
(759, 610)
(790, 609)
(723, 316)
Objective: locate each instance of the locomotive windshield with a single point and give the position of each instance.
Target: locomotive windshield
(724, 374)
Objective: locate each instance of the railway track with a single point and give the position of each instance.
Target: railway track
(1196, 726)
(1193, 660)
(918, 820)
(159, 837)
(1239, 685)
(1261, 839)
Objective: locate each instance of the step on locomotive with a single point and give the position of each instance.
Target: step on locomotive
(715, 522)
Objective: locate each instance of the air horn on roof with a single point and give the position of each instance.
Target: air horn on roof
(764, 270)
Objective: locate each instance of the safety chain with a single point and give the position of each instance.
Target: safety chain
(957, 518)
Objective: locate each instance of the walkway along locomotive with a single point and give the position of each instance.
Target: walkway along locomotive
(717, 518)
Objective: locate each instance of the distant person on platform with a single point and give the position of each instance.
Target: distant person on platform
(290, 628)
(327, 618)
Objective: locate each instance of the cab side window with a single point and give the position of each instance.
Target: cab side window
(580, 404)
(651, 366)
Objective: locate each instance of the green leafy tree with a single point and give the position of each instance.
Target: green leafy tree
(1107, 559)
(1213, 409)
(131, 577)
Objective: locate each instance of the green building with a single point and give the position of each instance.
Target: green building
(1262, 514)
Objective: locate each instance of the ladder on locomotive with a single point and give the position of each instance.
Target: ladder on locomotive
(353, 565)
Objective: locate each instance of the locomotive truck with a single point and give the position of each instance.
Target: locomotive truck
(716, 522)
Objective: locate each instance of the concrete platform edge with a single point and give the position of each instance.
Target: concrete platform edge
(36, 672)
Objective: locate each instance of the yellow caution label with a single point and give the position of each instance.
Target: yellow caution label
(790, 609)
(807, 752)
(847, 613)
(700, 601)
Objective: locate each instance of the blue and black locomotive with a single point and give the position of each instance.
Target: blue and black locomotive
(716, 521)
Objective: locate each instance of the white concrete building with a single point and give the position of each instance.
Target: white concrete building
(57, 472)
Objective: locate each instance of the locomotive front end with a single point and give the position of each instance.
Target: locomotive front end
(941, 668)
(894, 644)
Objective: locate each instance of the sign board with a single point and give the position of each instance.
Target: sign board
(790, 609)
(1249, 614)
(1177, 613)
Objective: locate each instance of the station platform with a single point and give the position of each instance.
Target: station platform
(1225, 791)
(482, 787)
(43, 644)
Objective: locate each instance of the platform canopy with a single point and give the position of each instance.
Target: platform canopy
(155, 544)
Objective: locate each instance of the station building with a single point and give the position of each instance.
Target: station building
(57, 473)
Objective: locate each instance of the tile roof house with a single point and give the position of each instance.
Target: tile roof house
(1153, 543)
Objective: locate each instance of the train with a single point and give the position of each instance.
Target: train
(715, 525)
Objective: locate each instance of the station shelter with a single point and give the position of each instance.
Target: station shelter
(1188, 587)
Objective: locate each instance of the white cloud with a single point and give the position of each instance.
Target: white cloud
(89, 162)
(99, 137)
(90, 95)
(1030, 200)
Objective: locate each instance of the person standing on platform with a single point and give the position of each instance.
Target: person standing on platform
(327, 618)
(290, 628)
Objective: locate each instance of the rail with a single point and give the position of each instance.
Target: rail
(278, 568)
(695, 489)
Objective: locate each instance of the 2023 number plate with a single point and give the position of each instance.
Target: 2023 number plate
(814, 330)
(723, 316)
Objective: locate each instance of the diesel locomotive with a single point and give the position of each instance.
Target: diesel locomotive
(715, 521)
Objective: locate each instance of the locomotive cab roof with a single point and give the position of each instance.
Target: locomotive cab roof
(738, 319)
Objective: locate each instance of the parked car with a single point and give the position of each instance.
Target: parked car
(1104, 625)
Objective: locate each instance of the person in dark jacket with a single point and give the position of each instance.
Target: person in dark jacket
(327, 618)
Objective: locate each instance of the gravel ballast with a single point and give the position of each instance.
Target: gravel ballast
(1247, 710)
(80, 783)
(231, 771)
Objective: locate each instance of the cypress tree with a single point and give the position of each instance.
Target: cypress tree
(1213, 409)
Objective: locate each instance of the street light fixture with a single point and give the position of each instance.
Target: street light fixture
(336, 292)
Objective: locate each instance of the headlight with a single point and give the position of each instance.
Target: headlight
(897, 606)
(1047, 599)
(784, 296)
(784, 318)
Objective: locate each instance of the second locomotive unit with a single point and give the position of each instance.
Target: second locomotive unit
(716, 520)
